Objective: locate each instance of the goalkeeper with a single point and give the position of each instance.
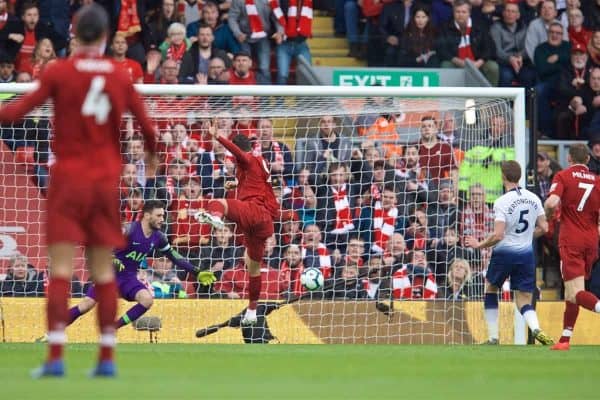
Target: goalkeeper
(143, 237)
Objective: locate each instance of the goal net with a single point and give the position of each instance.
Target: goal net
(378, 189)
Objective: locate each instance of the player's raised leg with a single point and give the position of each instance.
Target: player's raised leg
(103, 275)
(523, 300)
(144, 302)
(490, 310)
(214, 213)
(57, 307)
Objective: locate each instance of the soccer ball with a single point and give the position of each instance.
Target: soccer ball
(312, 278)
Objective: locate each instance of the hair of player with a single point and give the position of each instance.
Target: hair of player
(511, 171)
(151, 205)
(579, 153)
(91, 23)
(242, 142)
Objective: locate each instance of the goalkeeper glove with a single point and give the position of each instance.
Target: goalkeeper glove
(206, 278)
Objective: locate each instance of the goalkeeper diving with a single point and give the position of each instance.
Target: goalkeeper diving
(143, 237)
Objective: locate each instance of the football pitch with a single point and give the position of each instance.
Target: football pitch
(178, 371)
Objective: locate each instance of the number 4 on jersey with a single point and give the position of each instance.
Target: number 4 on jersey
(96, 103)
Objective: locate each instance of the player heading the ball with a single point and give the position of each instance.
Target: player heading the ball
(519, 218)
(83, 196)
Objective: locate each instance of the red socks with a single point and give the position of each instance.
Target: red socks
(216, 208)
(587, 300)
(254, 291)
(569, 319)
(107, 311)
(57, 309)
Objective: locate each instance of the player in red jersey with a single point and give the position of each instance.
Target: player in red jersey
(577, 191)
(254, 211)
(90, 94)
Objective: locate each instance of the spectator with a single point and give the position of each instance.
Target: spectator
(290, 231)
(538, 31)
(591, 100)
(578, 34)
(224, 39)
(292, 262)
(412, 181)
(217, 72)
(396, 252)
(417, 233)
(9, 24)
(160, 22)
(442, 213)
(163, 280)
(315, 152)
(529, 10)
(308, 212)
(447, 250)
(169, 72)
(395, 16)
(458, 282)
(546, 170)
(381, 220)
(483, 160)
(591, 10)
(22, 279)
(153, 62)
(119, 50)
(441, 12)
(414, 280)
(241, 73)
(347, 281)
(573, 115)
(477, 220)
(24, 77)
(449, 133)
(298, 28)
(176, 44)
(25, 35)
(486, 12)
(314, 252)
(335, 205)
(356, 41)
(221, 254)
(461, 40)
(564, 15)
(435, 157)
(195, 64)
(133, 205)
(593, 49)
(417, 45)
(252, 25)
(135, 155)
(509, 38)
(7, 67)
(275, 152)
(383, 132)
(594, 145)
(128, 181)
(550, 57)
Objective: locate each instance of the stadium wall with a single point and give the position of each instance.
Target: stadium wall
(412, 322)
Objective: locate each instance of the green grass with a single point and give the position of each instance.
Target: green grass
(171, 371)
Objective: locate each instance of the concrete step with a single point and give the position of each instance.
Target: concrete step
(322, 23)
(338, 62)
(550, 294)
(333, 52)
(327, 42)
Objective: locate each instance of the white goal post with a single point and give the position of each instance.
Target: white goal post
(388, 301)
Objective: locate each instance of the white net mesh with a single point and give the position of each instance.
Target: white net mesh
(376, 192)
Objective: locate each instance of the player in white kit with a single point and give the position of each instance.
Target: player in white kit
(519, 218)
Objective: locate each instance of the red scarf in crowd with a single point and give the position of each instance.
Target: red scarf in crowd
(295, 24)
(299, 25)
(404, 288)
(175, 52)
(343, 217)
(464, 47)
(384, 223)
(129, 21)
(3, 19)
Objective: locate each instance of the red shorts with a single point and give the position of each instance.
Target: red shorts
(255, 222)
(577, 261)
(84, 213)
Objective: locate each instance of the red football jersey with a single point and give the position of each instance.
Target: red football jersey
(90, 94)
(579, 192)
(133, 68)
(254, 178)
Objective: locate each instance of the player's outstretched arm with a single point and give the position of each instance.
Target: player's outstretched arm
(490, 241)
(17, 109)
(551, 204)
(541, 226)
(241, 156)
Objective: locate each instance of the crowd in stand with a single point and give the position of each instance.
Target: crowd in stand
(380, 220)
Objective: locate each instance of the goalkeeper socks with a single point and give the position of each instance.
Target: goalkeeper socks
(131, 315)
(588, 300)
(254, 291)
(490, 305)
(216, 208)
(569, 319)
(74, 313)
(530, 316)
(57, 309)
(107, 311)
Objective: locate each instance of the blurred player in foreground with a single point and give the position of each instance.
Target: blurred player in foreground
(576, 191)
(90, 94)
(519, 217)
(254, 211)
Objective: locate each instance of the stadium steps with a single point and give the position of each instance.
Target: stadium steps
(550, 294)
(328, 50)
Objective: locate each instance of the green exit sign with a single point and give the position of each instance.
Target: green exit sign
(384, 77)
